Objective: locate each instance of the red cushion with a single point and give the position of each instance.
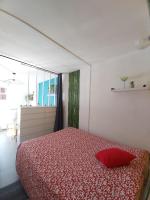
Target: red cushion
(114, 157)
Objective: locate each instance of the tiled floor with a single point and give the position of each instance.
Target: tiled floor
(8, 148)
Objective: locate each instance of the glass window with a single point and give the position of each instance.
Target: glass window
(47, 92)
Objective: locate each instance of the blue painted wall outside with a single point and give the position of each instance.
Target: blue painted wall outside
(48, 99)
(46, 86)
(40, 93)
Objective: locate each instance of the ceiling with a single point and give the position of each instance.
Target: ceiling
(95, 30)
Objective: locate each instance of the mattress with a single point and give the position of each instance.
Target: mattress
(62, 166)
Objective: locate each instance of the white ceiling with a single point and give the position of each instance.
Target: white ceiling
(96, 30)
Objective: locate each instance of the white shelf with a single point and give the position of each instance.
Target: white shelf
(130, 89)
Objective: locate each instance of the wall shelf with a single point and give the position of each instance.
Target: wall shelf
(130, 89)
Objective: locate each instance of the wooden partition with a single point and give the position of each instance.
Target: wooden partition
(35, 122)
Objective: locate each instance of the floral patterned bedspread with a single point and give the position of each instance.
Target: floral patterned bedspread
(62, 166)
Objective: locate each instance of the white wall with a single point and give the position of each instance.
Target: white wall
(125, 116)
(65, 85)
(84, 98)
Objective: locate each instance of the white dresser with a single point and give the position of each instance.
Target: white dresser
(35, 121)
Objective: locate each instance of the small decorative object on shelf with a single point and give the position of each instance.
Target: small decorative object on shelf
(132, 84)
(144, 85)
(124, 79)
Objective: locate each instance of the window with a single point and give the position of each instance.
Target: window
(47, 92)
(2, 93)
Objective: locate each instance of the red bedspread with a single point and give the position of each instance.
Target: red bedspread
(63, 166)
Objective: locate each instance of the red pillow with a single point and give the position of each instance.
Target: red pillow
(114, 157)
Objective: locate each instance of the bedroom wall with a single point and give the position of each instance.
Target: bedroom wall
(125, 116)
(65, 85)
(84, 97)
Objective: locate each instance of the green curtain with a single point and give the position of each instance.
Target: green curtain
(73, 101)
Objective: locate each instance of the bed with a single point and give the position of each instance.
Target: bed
(62, 166)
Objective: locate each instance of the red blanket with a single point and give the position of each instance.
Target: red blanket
(62, 166)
